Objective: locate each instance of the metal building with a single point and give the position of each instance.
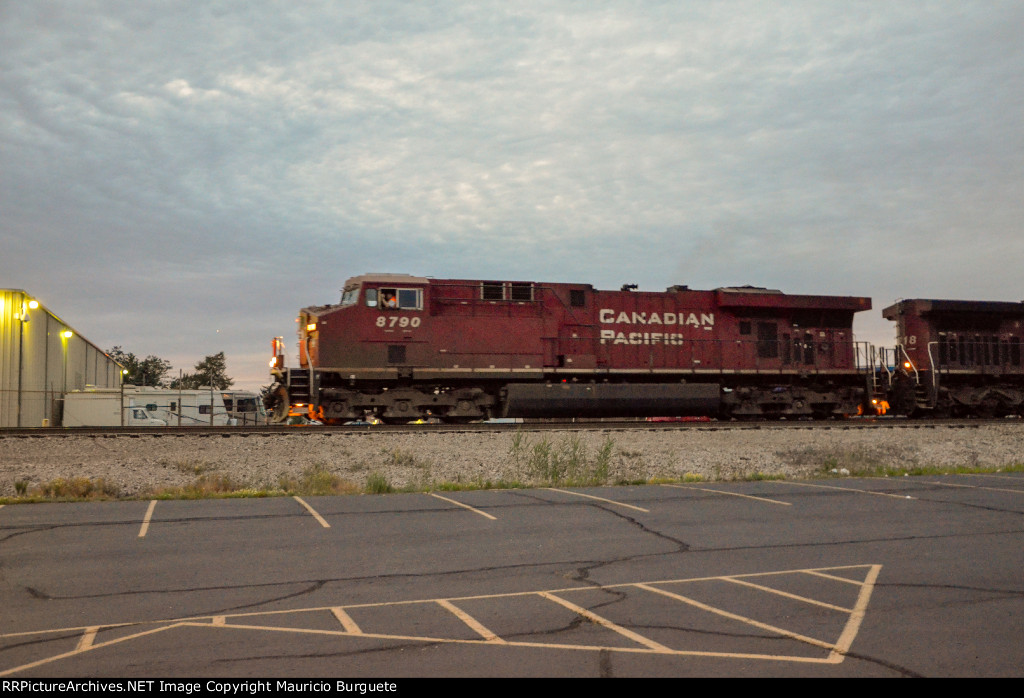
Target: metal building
(41, 358)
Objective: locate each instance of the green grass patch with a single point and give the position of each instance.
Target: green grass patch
(377, 483)
(316, 480)
(478, 485)
(567, 463)
(66, 490)
(208, 486)
(754, 477)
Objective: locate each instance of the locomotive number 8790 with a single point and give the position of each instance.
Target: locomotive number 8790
(401, 347)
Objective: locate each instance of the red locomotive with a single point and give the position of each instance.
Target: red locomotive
(956, 358)
(404, 347)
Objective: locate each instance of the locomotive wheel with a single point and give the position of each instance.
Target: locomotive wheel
(988, 408)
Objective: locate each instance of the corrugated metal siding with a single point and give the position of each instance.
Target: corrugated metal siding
(10, 326)
(38, 364)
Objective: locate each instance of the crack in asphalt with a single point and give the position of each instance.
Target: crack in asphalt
(1000, 593)
(315, 586)
(902, 670)
(400, 647)
(42, 641)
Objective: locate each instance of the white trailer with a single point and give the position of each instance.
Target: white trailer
(186, 408)
(105, 408)
(245, 407)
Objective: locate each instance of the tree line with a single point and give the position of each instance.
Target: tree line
(152, 370)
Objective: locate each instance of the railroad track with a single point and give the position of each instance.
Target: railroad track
(550, 425)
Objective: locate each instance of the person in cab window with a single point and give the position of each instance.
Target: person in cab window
(391, 302)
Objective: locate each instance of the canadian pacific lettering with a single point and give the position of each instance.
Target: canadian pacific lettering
(704, 320)
(608, 316)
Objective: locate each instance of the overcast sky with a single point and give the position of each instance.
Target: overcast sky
(180, 178)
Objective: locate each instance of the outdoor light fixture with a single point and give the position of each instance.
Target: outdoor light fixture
(67, 334)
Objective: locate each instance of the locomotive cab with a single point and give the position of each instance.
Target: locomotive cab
(958, 358)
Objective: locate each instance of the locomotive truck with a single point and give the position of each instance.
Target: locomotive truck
(402, 347)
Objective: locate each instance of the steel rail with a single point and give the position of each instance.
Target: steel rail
(550, 425)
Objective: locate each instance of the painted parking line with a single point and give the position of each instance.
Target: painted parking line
(838, 619)
(312, 511)
(88, 638)
(737, 617)
(1001, 477)
(346, 621)
(477, 627)
(974, 487)
(834, 577)
(464, 506)
(842, 489)
(147, 518)
(786, 594)
(604, 622)
(734, 494)
(79, 649)
(600, 499)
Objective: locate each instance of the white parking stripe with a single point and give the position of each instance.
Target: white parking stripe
(975, 487)
(734, 494)
(346, 621)
(602, 621)
(477, 627)
(464, 506)
(312, 511)
(88, 638)
(1001, 477)
(600, 499)
(146, 519)
(842, 489)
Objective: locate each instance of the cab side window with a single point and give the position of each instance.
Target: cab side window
(401, 299)
(389, 298)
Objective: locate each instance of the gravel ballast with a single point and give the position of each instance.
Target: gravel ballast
(146, 464)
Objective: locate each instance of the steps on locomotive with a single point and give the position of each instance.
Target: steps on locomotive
(298, 385)
(922, 398)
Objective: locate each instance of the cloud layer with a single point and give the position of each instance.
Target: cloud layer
(179, 180)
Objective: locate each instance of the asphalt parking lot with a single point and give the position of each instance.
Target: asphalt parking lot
(916, 576)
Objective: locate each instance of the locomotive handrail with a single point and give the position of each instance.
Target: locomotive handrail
(934, 367)
(885, 365)
(903, 350)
